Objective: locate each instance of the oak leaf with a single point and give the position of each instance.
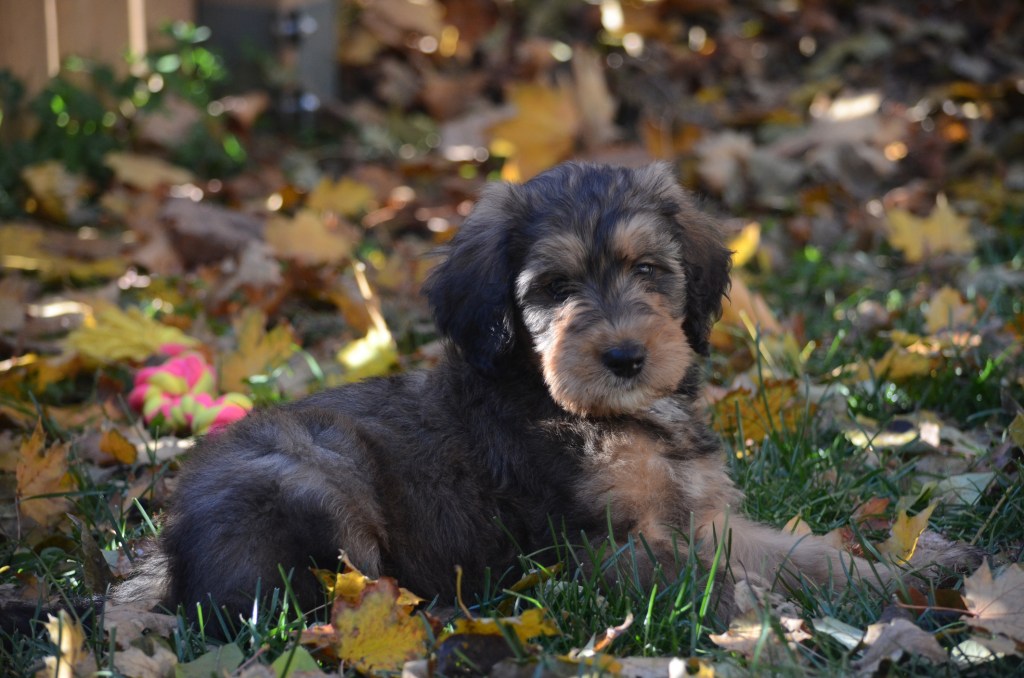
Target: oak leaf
(42, 471)
(942, 231)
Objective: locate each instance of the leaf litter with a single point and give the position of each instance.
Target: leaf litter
(877, 253)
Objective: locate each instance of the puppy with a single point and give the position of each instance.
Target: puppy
(576, 310)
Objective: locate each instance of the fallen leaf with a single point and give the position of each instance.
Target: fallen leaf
(161, 662)
(947, 310)
(114, 335)
(145, 172)
(898, 364)
(942, 231)
(530, 624)
(114, 444)
(344, 196)
(307, 239)
(848, 636)
(128, 623)
(541, 133)
(906, 531)
(1016, 430)
(258, 351)
(73, 658)
(370, 356)
(776, 406)
(221, 661)
(745, 243)
(374, 634)
(964, 488)
(891, 641)
(58, 191)
(997, 602)
(747, 311)
(27, 247)
(42, 471)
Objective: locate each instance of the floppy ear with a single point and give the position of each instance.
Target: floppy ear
(470, 293)
(705, 258)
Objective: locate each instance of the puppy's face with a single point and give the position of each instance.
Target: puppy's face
(610, 274)
(602, 297)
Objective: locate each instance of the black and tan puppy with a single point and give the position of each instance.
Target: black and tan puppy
(576, 309)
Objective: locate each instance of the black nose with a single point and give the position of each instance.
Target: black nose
(625, 360)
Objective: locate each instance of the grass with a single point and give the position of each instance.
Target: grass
(812, 470)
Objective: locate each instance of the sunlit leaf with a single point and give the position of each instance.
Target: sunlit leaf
(307, 239)
(344, 196)
(906, 532)
(942, 231)
(114, 335)
(947, 310)
(542, 132)
(258, 352)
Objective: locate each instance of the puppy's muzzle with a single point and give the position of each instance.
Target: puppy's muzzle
(625, 360)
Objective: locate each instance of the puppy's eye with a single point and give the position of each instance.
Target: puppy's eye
(559, 290)
(643, 270)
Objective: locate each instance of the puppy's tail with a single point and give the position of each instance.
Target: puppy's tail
(149, 585)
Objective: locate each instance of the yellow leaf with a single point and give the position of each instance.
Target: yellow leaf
(349, 584)
(23, 247)
(258, 351)
(542, 132)
(744, 245)
(42, 471)
(115, 335)
(898, 364)
(371, 356)
(946, 310)
(744, 309)
(114, 443)
(377, 633)
(776, 406)
(58, 191)
(941, 231)
(902, 542)
(72, 658)
(797, 526)
(1016, 430)
(530, 624)
(345, 196)
(307, 239)
(146, 172)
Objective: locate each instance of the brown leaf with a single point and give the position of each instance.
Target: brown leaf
(114, 443)
(891, 641)
(42, 471)
(997, 602)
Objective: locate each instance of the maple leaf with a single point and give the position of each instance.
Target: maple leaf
(146, 173)
(114, 335)
(941, 231)
(946, 310)
(890, 641)
(542, 132)
(345, 196)
(997, 602)
(775, 406)
(258, 351)
(906, 532)
(40, 472)
(307, 239)
(374, 632)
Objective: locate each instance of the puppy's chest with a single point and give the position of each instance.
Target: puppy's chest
(644, 476)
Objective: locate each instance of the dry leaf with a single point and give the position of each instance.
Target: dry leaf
(745, 243)
(898, 364)
(134, 661)
(26, 247)
(745, 310)
(374, 633)
(145, 172)
(530, 624)
(114, 335)
(307, 239)
(947, 310)
(940, 232)
(542, 132)
(73, 658)
(345, 196)
(776, 406)
(893, 640)
(906, 531)
(258, 351)
(58, 191)
(42, 471)
(997, 602)
(114, 444)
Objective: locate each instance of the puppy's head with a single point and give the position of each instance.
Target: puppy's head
(612, 273)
